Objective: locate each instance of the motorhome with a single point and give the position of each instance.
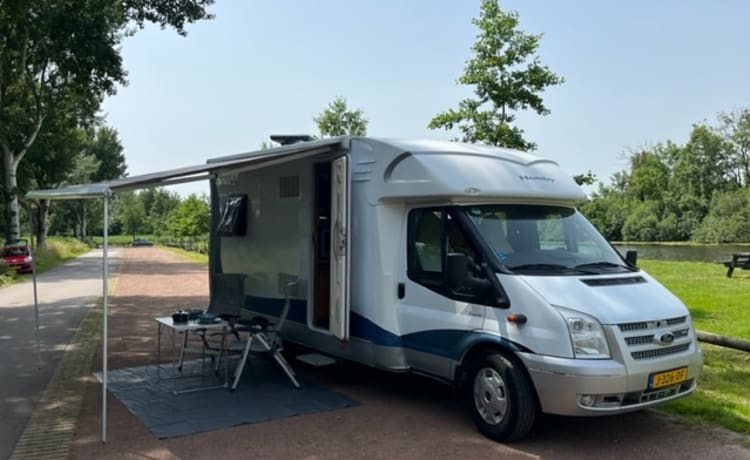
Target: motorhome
(463, 262)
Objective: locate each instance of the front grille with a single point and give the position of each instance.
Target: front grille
(639, 340)
(657, 352)
(625, 327)
(647, 339)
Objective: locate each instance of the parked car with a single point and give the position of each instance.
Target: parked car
(141, 242)
(17, 256)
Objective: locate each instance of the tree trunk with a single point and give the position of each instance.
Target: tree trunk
(42, 223)
(84, 218)
(12, 224)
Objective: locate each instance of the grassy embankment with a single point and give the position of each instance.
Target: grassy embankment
(720, 305)
(58, 250)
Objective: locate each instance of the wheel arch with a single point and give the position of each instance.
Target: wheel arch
(483, 343)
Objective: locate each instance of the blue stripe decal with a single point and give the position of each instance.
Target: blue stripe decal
(449, 343)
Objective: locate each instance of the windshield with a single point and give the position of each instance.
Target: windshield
(14, 251)
(545, 240)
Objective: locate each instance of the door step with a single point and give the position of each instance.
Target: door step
(316, 359)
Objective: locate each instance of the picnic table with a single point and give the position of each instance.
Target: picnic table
(739, 260)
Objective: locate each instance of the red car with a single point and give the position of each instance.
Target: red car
(17, 256)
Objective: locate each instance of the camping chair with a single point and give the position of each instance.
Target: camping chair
(227, 300)
(264, 334)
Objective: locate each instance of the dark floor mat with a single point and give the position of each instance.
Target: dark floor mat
(264, 393)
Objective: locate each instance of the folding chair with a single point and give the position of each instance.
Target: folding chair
(227, 300)
(265, 334)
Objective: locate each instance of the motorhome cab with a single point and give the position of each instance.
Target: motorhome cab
(464, 262)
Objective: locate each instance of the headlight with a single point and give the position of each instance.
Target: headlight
(586, 334)
(27, 259)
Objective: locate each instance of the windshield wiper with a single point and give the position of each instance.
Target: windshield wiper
(605, 264)
(550, 267)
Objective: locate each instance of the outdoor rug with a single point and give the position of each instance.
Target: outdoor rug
(264, 393)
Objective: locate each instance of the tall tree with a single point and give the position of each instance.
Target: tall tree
(65, 49)
(130, 213)
(338, 120)
(190, 218)
(506, 76)
(735, 128)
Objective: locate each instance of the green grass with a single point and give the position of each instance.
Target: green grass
(717, 304)
(189, 255)
(720, 305)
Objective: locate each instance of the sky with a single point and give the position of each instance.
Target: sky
(636, 73)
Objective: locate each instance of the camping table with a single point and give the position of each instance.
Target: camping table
(186, 328)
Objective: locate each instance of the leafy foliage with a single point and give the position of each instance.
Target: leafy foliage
(338, 120)
(65, 53)
(190, 219)
(506, 76)
(677, 192)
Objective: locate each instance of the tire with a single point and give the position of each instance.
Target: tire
(501, 397)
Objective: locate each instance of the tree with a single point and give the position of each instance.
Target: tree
(65, 50)
(507, 77)
(588, 178)
(190, 218)
(130, 212)
(338, 120)
(735, 129)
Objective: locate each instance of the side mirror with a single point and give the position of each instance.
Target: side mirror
(631, 257)
(455, 270)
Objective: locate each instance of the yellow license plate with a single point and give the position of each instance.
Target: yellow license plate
(663, 379)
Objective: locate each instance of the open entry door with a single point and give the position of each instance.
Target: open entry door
(339, 284)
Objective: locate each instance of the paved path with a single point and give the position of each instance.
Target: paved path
(65, 295)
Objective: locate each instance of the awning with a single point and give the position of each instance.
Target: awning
(215, 167)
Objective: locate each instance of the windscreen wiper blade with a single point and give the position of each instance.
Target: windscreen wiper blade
(550, 267)
(606, 264)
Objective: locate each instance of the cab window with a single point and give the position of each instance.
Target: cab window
(433, 234)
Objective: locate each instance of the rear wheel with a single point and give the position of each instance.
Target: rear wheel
(500, 397)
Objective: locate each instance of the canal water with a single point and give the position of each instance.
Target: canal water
(702, 253)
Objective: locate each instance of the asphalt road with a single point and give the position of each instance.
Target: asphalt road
(65, 294)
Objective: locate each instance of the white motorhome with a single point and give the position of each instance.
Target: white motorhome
(463, 262)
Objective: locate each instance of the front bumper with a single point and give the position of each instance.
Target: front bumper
(611, 387)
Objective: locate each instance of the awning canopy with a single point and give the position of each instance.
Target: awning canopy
(216, 167)
(213, 168)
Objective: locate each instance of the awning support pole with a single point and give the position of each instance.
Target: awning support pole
(105, 293)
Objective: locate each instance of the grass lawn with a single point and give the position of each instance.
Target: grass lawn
(720, 305)
(189, 255)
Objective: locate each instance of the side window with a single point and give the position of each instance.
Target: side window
(426, 245)
(434, 233)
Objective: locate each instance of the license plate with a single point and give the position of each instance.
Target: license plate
(666, 378)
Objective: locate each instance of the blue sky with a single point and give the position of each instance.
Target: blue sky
(637, 73)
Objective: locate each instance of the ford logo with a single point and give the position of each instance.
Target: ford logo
(664, 338)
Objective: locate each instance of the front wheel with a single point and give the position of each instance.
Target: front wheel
(500, 397)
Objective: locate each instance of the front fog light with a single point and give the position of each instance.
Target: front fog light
(587, 400)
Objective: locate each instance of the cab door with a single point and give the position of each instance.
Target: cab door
(433, 319)
(340, 249)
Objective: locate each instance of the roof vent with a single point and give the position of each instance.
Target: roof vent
(286, 139)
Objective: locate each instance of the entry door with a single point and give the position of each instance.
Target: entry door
(339, 284)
